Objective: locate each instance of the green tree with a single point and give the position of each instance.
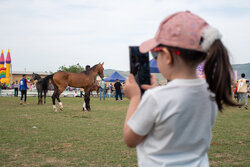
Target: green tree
(73, 68)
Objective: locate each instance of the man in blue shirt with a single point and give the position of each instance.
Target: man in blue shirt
(23, 88)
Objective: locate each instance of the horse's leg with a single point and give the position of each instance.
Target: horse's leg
(58, 99)
(54, 100)
(41, 96)
(44, 97)
(38, 96)
(84, 105)
(84, 102)
(87, 99)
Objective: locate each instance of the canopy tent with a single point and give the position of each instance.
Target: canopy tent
(115, 76)
(153, 66)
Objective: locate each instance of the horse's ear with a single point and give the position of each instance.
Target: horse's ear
(102, 63)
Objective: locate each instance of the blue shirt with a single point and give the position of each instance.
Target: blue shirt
(23, 84)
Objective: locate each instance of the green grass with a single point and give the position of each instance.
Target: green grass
(33, 135)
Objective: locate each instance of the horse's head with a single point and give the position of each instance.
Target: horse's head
(100, 69)
(35, 77)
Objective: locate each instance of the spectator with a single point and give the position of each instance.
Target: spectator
(1, 89)
(4, 86)
(12, 85)
(118, 87)
(111, 87)
(33, 86)
(81, 92)
(16, 85)
(242, 90)
(75, 94)
(106, 90)
(102, 86)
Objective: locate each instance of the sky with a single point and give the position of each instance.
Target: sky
(43, 35)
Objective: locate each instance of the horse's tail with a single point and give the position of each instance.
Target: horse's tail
(49, 76)
(46, 80)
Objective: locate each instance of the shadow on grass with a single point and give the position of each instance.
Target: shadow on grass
(80, 116)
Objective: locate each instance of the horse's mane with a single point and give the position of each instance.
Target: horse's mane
(94, 66)
(87, 72)
(37, 76)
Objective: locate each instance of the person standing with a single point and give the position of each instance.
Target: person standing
(118, 87)
(236, 97)
(242, 90)
(23, 88)
(1, 89)
(171, 125)
(4, 86)
(111, 87)
(81, 92)
(106, 90)
(16, 85)
(102, 86)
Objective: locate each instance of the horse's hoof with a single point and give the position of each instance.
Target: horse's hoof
(54, 108)
(61, 106)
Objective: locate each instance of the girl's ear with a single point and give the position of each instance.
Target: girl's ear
(168, 56)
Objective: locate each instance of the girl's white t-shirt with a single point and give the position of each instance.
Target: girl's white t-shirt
(177, 119)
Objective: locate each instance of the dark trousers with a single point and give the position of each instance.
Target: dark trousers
(118, 93)
(24, 93)
(81, 93)
(16, 92)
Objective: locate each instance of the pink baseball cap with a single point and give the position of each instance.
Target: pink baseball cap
(183, 30)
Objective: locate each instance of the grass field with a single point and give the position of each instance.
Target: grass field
(33, 135)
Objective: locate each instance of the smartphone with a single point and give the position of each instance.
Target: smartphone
(139, 66)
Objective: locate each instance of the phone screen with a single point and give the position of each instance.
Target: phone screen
(139, 66)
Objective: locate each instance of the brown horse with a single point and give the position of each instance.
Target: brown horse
(85, 79)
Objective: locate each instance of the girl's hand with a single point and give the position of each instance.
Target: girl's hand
(131, 88)
(153, 83)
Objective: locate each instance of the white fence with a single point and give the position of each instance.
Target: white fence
(10, 92)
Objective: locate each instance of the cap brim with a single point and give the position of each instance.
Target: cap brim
(148, 45)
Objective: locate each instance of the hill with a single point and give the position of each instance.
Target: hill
(240, 68)
(109, 72)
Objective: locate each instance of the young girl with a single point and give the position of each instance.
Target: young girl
(171, 125)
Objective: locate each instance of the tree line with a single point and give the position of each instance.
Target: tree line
(73, 68)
